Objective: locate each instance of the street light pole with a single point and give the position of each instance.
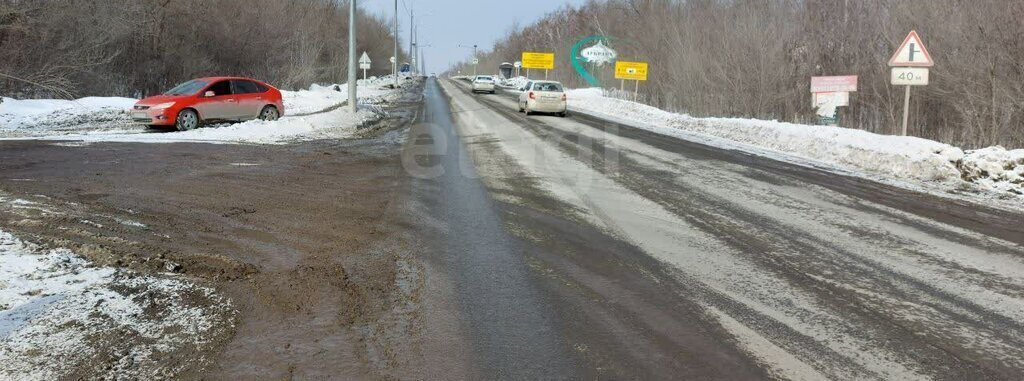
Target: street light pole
(394, 65)
(412, 36)
(352, 56)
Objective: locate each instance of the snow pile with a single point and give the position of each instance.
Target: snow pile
(896, 157)
(514, 82)
(995, 168)
(58, 114)
(309, 114)
(60, 315)
(316, 99)
(337, 123)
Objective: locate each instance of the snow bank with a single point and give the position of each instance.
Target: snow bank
(515, 82)
(57, 114)
(309, 114)
(891, 156)
(896, 158)
(338, 123)
(59, 314)
(319, 98)
(995, 168)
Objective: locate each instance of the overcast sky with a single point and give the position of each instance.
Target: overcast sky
(445, 24)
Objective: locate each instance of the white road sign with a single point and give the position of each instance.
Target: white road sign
(392, 59)
(518, 64)
(599, 54)
(909, 76)
(476, 61)
(912, 53)
(833, 99)
(364, 61)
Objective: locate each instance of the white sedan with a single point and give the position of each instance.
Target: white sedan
(543, 96)
(483, 84)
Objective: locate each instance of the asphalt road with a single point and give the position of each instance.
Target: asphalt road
(775, 269)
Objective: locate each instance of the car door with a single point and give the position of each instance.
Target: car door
(249, 98)
(219, 105)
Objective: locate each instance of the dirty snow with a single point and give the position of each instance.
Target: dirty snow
(47, 116)
(59, 314)
(311, 113)
(905, 160)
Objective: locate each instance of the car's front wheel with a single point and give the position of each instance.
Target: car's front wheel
(187, 120)
(270, 113)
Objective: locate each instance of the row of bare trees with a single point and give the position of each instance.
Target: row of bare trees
(755, 58)
(65, 48)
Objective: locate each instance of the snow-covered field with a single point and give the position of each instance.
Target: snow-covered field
(992, 173)
(312, 113)
(62, 316)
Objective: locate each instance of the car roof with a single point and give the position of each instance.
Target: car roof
(212, 79)
(555, 82)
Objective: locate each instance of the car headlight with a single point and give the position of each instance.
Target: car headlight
(163, 105)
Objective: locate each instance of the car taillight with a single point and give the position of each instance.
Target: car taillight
(532, 96)
(563, 98)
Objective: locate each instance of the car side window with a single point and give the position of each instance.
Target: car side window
(220, 88)
(260, 88)
(244, 87)
(529, 85)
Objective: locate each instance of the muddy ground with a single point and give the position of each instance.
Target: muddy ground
(313, 242)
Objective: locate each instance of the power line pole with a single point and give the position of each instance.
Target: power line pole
(416, 48)
(394, 63)
(352, 100)
(412, 36)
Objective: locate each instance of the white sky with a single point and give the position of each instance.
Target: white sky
(446, 24)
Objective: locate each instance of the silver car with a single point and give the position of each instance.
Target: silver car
(483, 84)
(543, 96)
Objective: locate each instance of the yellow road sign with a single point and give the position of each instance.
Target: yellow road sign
(533, 60)
(636, 71)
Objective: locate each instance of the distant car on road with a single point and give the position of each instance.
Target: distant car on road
(190, 104)
(483, 84)
(543, 96)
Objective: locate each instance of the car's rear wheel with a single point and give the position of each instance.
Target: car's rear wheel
(187, 120)
(270, 113)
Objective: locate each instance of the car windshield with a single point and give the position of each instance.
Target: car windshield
(187, 88)
(547, 87)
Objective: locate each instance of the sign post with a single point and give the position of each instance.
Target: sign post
(364, 63)
(634, 71)
(910, 66)
(518, 65)
(830, 93)
(475, 61)
(532, 60)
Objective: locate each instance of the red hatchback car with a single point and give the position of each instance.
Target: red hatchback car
(190, 104)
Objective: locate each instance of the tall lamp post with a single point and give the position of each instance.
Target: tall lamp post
(394, 59)
(352, 100)
(475, 59)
